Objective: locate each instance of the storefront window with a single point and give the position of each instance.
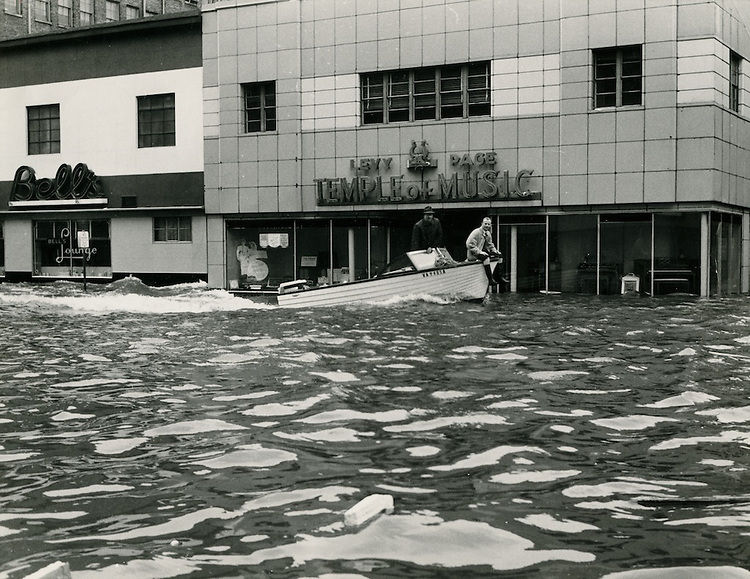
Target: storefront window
(260, 255)
(725, 263)
(572, 253)
(379, 254)
(625, 249)
(677, 255)
(349, 251)
(523, 243)
(2, 250)
(313, 251)
(57, 253)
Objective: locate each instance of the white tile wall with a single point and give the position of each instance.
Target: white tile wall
(330, 102)
(527, 85)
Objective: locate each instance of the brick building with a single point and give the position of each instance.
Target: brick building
(21, 17)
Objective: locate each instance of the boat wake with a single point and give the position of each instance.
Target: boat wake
(128, 295)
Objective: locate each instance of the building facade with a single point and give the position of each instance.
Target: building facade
(102, 153)
(23, 18)
(608, 140)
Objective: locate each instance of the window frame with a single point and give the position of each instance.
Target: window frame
(129, 9)
(89, 18)
(13, 7)
(47, 8)
(110, 4)
(47, 133)
(266, 119)
(431, 93)
(616, 59)
(147, 106)
(180, 227)
(65, 13)
(735, 74)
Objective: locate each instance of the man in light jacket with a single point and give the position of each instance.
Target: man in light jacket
(479, 247)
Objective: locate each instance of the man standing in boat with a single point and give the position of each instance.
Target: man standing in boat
(427, 232)
(479, 247)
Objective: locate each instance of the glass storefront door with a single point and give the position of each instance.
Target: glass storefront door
(349, 251)
(523, 245)
(572, 253)
(726, 251)
(2, 251)
(625, 249)
(57, 254)
(677, 255)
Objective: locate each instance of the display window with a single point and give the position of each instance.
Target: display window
(677, 255)
(2, 251)
(726, 253)
(59, 248)
(572, 251)
(260, 255)
(625, 247)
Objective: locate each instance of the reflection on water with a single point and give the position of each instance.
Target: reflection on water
(184, 432)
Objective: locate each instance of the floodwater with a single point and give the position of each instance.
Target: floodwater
(183, 432)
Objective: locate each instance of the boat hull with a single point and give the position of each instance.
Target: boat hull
(466, 281)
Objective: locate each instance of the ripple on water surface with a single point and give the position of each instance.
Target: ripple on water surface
(166, 432)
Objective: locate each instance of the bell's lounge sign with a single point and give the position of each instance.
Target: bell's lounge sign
(475, 177)
(71, 187)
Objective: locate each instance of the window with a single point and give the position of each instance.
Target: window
(132, 12)
(618, 77)
(734, 81)
(112, 12)
(173, 229)
(44, 129)
(64, 13)
(86, 15)
(42, 10)
(260, 106)
(13, 7)
(455, 91)
(55, 243)
(156, 120)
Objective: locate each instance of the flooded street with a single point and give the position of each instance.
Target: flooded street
(182, 432)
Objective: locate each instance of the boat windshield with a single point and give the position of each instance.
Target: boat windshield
(400, 264)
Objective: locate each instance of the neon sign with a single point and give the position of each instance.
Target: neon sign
(71, 184)
(68, 252)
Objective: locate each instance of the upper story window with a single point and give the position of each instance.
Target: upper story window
(454, 91)
(42, 10)
(86, 12)
(735, 62)
(65, 13)
(173, 229)
(259, 105)
(618, 77)
(13, 7)
(156, 126)
(112, 12)
(44, 129)
(132, 12)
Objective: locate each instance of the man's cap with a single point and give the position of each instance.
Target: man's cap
(428, 209)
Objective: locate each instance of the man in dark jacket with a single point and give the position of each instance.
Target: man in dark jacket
(427, 232)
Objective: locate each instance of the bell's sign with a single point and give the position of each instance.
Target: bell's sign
(78, 185)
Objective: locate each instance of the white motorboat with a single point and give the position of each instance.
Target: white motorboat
(426, 272)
